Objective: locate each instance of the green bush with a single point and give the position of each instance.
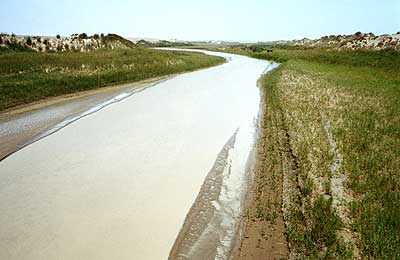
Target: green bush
(83, 36)
(29, 41)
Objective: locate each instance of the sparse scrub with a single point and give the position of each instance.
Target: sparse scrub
(112, 38)
(29, 41)
(83, 36)
(13, 45)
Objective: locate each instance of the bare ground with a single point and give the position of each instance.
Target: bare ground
(263, 233)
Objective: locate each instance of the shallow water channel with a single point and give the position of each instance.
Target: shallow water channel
(162, 169)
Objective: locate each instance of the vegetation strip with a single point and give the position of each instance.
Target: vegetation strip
(30, 76)
(337, 157)
(264, 227)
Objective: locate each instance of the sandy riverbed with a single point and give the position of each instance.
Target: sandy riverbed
(118, 183)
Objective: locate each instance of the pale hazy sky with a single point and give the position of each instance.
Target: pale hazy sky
(246, 20)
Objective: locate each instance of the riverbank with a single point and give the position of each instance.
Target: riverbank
(331, 150)
(262, 230)
(27, 77)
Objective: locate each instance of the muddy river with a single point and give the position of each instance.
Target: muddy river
(154, 174)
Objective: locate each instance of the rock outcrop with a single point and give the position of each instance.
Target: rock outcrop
(77, 42)
(356, 41)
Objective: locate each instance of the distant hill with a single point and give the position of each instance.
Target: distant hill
(162, 43)
(136, 40)
(77, 42)
(357, 41)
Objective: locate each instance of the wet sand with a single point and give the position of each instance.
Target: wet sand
(28, 123)
(118, 183)
(263, 237)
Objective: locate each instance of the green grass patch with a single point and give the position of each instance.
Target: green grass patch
(31, 76)
(359, 93)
